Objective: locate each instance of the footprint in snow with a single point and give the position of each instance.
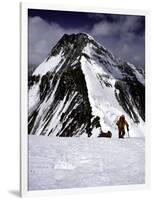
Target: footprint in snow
(64, 165)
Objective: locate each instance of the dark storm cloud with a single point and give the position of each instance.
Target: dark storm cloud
(124, 35)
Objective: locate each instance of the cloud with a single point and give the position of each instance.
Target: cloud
(123, 35)
(42, 37)
(122, 25)
(104, 29)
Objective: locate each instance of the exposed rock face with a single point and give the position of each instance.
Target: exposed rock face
(61, 100)
(132, 93)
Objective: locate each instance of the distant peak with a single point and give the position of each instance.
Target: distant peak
(84, 34)
(76, 37)
(69, 41)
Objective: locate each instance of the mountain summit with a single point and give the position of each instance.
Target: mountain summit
(81, 89)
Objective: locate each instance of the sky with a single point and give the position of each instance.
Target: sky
(123, 35)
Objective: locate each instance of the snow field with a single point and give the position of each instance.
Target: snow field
(56, 163)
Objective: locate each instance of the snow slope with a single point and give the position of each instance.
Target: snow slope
(102, 99)
(56, 163)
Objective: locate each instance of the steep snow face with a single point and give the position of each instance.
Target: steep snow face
(102, 98)
(100, 81)
(50, 65)
(82, 89)
(33, 98)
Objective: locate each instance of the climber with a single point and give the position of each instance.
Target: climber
(121, 123)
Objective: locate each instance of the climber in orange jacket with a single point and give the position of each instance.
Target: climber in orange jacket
(121, 123)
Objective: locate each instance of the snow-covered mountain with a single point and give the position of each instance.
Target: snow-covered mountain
(81, 89)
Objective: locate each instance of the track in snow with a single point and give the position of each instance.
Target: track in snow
(56, 163)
